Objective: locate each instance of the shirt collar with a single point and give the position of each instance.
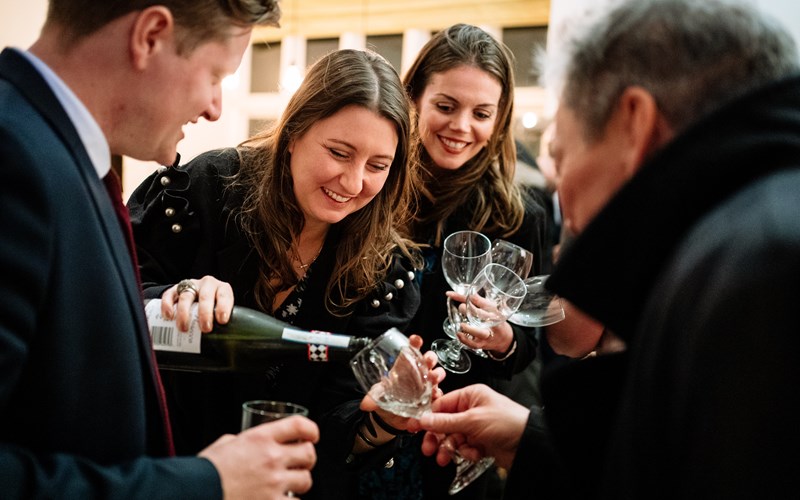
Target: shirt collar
(89, 131)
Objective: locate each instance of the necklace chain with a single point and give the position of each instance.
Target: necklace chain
(302, 264)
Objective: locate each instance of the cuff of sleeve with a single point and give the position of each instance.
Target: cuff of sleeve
(505, 356)
(537, 462)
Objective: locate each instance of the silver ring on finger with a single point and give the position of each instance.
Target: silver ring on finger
(188, 285)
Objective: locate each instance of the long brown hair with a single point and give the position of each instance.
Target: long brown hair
(270, 214)
(485, 182)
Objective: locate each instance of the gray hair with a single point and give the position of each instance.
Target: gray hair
(692, 56)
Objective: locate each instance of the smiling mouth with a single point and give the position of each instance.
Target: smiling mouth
(453, 145)
(335, 197)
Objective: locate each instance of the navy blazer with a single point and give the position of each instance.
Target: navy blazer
(79, 414)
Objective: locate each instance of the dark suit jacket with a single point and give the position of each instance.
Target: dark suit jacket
(79, 414)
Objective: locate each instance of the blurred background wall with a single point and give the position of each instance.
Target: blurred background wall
(276, 61)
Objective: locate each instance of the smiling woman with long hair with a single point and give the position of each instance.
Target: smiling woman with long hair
(300, 221)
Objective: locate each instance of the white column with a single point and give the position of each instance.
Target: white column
(293, 62)
(413, 40)
(353, 40)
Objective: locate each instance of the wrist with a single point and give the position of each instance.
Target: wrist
(373, 417)
(504, 356)
(370, 436)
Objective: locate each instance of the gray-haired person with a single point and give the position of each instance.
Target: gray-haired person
(678, 153)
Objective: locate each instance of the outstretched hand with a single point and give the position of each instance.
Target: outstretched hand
(475, 420)
(435, 374)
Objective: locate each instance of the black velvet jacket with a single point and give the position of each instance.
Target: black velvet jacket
(695, 264)
(184, 226)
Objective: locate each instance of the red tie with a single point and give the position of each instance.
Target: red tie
(114, 188)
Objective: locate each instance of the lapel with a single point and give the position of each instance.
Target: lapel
(19, 72)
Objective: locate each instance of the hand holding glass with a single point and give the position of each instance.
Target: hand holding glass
(259, 412)
(464, 255)
(493, 296)
(395, 375)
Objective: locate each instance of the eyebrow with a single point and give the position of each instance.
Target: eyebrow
(347, 144)
(482, 105)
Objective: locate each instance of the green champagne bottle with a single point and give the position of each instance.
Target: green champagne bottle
(251, 341)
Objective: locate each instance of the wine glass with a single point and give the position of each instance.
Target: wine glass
(261, 411)
(395, 376)
(512, 256)
(493, 296)
(464, 254)
(541, 307)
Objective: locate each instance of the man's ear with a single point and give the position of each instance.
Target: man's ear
(152, 32)
(643, 124)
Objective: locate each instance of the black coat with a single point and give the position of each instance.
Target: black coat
(210, 242)
(79, 412)
(695, 264)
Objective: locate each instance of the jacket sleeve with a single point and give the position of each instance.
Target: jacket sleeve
(537, 471)
(176, 214)
(25, 474)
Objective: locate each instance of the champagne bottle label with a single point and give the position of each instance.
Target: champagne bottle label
(167, 337)
(165, 334)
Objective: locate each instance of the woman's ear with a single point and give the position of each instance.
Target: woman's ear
(152, 33)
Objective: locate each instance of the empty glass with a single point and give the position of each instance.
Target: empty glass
(261, 411)
(493, 296)
(395, 375)
(464, 255)
(540, 307)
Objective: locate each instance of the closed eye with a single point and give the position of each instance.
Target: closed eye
(379, 166)
(338, 154)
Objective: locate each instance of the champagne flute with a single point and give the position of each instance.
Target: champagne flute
(512, 256)
(541, 307)
(492, 297)
(464, 254)
(395, 376)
